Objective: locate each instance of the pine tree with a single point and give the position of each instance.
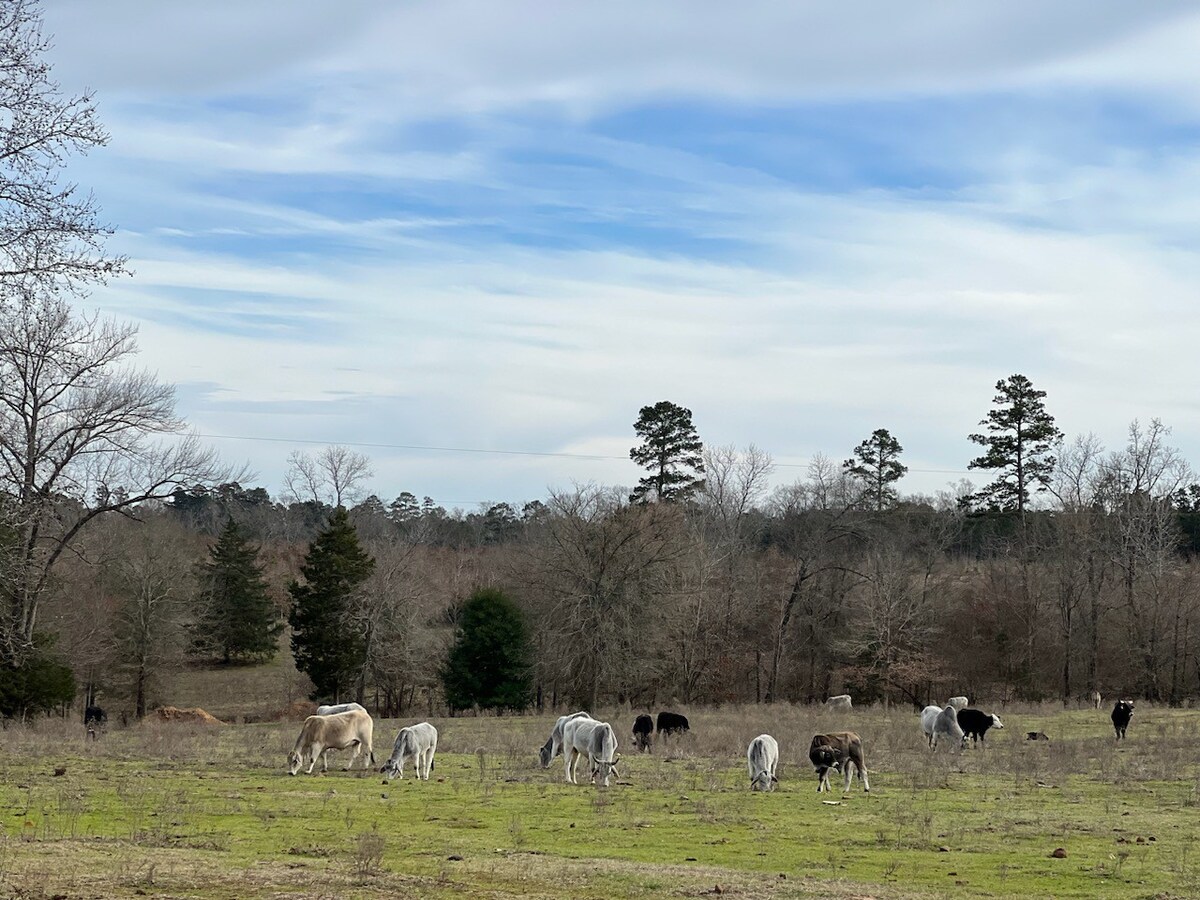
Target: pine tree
(325, 647)
(489, 664)
(877, 462)
(239, 621)
(1020, 436)
(672, 451)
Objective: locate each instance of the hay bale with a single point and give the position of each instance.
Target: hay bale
(196, 714)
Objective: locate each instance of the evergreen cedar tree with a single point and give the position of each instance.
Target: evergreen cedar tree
(326, 649)
(1020, 437)
(671, 450)
(876, 462)
(489, 665)
(239, 620)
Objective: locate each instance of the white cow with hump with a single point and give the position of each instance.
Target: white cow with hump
(595, 740)
(554, 745)
(418, 742)
(762, 756)
(339, 708)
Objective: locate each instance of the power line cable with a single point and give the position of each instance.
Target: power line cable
(485, 450)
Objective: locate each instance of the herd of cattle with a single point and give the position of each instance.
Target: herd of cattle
(579, 737)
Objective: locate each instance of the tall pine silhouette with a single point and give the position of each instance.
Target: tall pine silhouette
(326, 648)
(238, 621)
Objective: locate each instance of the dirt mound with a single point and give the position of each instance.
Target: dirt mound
(294, 712)
(171, 714)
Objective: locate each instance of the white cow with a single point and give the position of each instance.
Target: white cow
(595, 740)
(937, 723)
(841, 702)
(959, 702)
(418, 741)
(339, 731)
(554, 745)
(337, 708)
(762, 756)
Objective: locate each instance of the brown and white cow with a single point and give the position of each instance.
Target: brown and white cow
(839, 751)
(350, 729)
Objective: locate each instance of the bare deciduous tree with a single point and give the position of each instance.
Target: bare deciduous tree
(50, 239)
(154, 578)
(334, 476)
(82, 435)
(603, 566)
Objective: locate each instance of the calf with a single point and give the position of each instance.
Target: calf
(418, 742)
(975, 723)
(840, 702)
(1121, 715)
(595, 740)
(840, 751)
(643, 732)
(672, 723)
(1095, 699)
(762, 756)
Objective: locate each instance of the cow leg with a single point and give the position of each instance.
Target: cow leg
(316, 754)
(862, 776)
(569, 758)
(355, 749)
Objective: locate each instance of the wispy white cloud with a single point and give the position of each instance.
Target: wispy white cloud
(437, 224)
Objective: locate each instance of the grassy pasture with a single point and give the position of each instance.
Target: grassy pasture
(187, 811)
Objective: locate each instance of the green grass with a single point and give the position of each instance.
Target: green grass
(182, 810)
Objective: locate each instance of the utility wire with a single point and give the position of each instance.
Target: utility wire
(436, 449)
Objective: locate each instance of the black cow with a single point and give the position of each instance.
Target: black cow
(93, 720)
(643, 732)
(672, 723)
(975, 723)
(1121, 715)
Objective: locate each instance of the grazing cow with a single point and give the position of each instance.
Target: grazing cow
(595, 740)
(334, 710)
(672, 723)
(840, 703)
(840, 751)
(554, 744)
(643, 732)
(1121, 715)
(763, 758)
(975, 723)
(418, 741)
(937, 723)
(338, 708)
(959, 702)
(339, 731)
(1036, 736)
(1095, 699)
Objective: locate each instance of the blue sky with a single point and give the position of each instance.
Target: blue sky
(510, 225)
